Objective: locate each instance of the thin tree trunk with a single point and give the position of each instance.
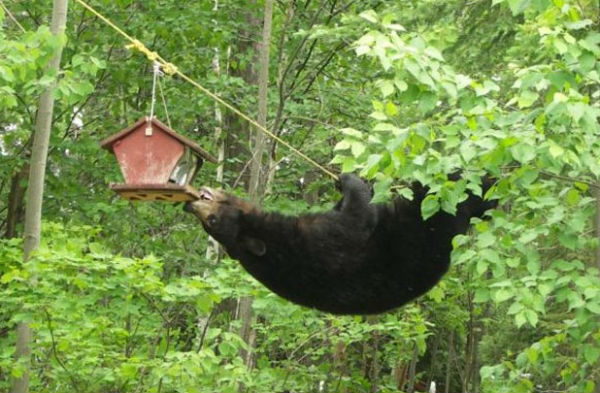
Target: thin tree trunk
(213, 251)
(412, 372)
(256, 167)
(15, 203)
(597, 224)
(281, 66)
(449, 361)
(469, 356)
(257, 180)
(245, 315)
(432, 364)
(399, 375)
(374, 377)
(339, 362)
(475, 370)
(35, 189)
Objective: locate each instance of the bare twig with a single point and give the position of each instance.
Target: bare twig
(55, 352)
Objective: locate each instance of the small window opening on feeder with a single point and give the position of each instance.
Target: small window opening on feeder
(156, 162)
(185, 170)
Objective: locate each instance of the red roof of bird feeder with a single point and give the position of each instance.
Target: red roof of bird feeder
(148, 152)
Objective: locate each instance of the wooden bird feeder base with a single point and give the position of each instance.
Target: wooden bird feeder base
(156, 192)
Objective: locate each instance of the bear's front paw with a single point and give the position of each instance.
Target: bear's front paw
(350, 182)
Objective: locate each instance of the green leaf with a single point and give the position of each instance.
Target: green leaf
(391, 109)
(386, 87)
(532, 354)
(528, 236)
(381, 190)
(427, 101)
(373, 161)
(17, 371)
(348, 164)
(385, 127)
(342, 145)
(357, 148)
(576, 110)
(527, 98)
(523, 152)
(503, 295)
(482, 266)
(554, 149)
(591, 353)
(400, 84)
(520, 318)
(593, 307)
(517, 6)
(487, 372)
(429, 206)
(587, 61)
(434, 53)
(369, 15)
(545, 289)
(515, 308)
(572, 197)
(467, 151)
(579, 24)
(436, 294)
(532, 317)
(482, 295)
(352, 132)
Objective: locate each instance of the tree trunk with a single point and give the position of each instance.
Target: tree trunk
(35, 189)
(339, 364)
(271, 166)
(213, 250)
(449, 361)
(374, 374)
(597, 224)
(475, 381)
(432, 364)
(15, 203)
(469, 356)
(257, 179)
(412, 371)
(399, 374)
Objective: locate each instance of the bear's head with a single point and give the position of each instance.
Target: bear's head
(223, 217)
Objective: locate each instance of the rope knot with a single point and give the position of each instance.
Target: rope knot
(137, 45)
(169, 68)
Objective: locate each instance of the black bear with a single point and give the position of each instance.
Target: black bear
(359, 258)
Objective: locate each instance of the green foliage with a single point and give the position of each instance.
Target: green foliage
(104, 321)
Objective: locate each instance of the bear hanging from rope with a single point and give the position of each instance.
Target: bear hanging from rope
(359, 258)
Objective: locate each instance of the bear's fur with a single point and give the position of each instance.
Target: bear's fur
(359, 258)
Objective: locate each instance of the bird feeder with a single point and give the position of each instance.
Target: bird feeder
(156, 162)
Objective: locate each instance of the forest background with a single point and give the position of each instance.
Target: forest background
(133, 297)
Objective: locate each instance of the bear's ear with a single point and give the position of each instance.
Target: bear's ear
(255, 246)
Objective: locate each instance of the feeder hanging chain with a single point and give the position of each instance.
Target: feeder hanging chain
(157, 72)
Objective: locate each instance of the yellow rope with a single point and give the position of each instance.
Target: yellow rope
(11, 16)
(171, 69)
